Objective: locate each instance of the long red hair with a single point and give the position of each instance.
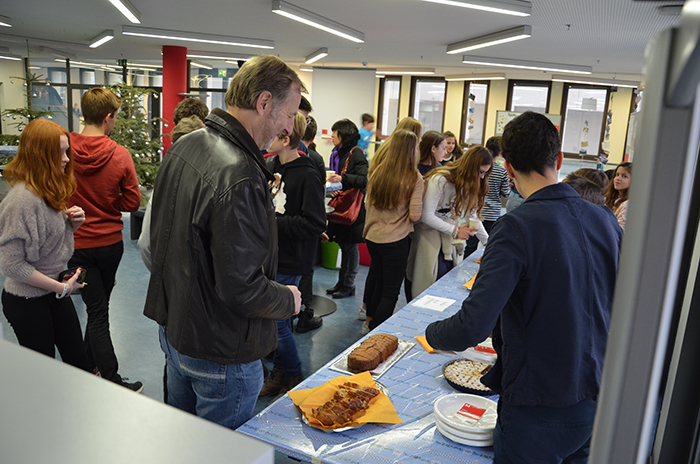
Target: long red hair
(38, 163)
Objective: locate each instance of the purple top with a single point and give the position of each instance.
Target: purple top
(335, 160)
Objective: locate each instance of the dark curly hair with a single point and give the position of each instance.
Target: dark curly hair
(190, 107)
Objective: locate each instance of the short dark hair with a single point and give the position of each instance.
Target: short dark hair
(311, 129)
(366, 118)
(530, 143)
(347, 130)
(587, 189)
(305, 105)
(260, 74)
(493, 144)
(190, 107)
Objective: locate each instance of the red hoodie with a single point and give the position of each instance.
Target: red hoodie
(107, 185)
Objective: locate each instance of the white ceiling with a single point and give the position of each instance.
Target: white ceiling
(608, 35)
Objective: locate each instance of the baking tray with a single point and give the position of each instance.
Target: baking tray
(404, 347)
(462, 388)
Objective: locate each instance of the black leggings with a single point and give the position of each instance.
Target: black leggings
(45, 322)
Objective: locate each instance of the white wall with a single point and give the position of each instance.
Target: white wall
(339, 94)
(11, 90)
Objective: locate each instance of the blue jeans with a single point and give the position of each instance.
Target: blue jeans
(538, 434)
(286, 356)
(221, 393)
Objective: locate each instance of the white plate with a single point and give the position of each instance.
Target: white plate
(446, 408)
(464, 441)
(474, 355)
(404, 347)
(483, 435)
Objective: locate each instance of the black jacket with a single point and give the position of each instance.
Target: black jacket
(354, 177)
(301, 214)
(214, 247)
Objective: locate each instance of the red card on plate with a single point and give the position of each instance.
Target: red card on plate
(471, 411)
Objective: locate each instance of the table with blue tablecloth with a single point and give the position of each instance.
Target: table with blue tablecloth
(413, 384)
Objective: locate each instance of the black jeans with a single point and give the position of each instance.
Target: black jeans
(386, 273)
(45, 323)
(101, 264)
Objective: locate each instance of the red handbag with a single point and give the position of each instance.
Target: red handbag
(347, 203)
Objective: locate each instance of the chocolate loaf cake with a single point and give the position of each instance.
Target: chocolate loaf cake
(372, 352)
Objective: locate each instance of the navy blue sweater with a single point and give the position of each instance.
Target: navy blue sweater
(548, 272)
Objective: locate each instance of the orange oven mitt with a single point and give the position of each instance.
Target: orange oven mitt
(380, 409)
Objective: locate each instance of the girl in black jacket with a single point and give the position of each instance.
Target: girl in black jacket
(345, 137)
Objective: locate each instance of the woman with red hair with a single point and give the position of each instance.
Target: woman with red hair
(36, 242)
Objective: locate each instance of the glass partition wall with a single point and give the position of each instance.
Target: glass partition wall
(474, 113)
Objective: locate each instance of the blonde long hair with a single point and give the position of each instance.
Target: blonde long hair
(393, 172)
(470, 189)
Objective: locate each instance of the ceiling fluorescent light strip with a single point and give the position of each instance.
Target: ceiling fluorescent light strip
(10, 56)
(128, 10)
(197, 37)
(197, 65)
(408, 71)
(306, 68)
(218, 55)
(5, 21)
(595, 81)
(476, 77)
(513, 7)
(509, 35)
(522, 64)
(317, 55)
(102, 39)
(309, 18)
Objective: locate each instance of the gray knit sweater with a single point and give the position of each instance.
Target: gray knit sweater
(32, 236)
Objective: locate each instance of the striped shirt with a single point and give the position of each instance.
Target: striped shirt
(498, 187)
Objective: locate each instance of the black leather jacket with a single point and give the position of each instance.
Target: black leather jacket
(214, 247)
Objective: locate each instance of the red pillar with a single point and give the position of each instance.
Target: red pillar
(174, 83)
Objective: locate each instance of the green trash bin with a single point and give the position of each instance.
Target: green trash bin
(330, 255)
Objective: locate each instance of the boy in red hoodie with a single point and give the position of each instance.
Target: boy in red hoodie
(107, 186)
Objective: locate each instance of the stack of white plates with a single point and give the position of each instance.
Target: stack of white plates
(461, 429)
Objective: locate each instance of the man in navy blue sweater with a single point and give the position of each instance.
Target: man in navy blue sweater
(544, 292)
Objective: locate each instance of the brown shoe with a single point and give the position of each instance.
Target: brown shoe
(273, 384)
(278, 384)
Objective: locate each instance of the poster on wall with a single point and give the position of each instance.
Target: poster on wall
(504, 117)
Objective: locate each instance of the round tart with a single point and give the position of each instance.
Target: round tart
(465, 375)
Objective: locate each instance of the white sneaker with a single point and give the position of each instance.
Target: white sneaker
(362, 314)
(365, 329)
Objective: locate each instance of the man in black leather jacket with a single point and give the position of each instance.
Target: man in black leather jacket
(214, 249)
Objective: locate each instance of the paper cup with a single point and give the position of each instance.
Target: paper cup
(474, 222)
(329, 173)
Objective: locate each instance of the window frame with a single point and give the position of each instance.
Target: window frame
(530, 83)
(562, 112)
(463, 124)
(380, 102)
(411, 106)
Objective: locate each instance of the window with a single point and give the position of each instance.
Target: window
(474, 112)
(528, 96)
(428, 101)
(584, 109)
(216, 78)
(389, 97)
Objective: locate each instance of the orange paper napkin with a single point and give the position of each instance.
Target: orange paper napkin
(471, 282)
(380, 409)
(478, 261)
(424, 343)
